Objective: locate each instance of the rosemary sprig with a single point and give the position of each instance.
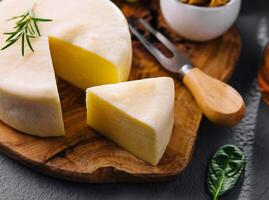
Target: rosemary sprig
(26, 28)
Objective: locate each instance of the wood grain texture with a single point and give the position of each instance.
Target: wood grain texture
(84, 155)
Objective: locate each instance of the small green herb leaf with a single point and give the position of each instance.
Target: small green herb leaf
(37, 29)
(22, 45)
(225, 169)
(41, 20)
(10, 42)
(26, 28)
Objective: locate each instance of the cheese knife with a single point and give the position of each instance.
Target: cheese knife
(219, 102)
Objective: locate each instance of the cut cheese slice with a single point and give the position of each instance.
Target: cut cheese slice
(88, 43)
(137, 115)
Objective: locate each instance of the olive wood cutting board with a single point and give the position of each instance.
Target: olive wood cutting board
(84, 155)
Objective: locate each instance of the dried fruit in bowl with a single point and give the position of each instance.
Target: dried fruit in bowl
(206, 3)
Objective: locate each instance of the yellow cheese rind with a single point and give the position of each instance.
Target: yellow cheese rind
(137, 115)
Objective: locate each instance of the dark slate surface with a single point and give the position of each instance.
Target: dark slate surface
(252, 135)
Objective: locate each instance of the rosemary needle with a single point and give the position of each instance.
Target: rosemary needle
(26, 28)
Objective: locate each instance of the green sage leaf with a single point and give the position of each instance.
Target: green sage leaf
(225, 169)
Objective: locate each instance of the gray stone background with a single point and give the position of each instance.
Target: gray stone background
(251, 135)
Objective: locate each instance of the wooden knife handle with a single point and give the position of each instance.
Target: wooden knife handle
(220, 103)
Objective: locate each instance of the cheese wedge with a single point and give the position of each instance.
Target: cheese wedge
(137, 115)
(88, 43)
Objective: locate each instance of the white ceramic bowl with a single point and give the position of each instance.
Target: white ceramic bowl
(199, 23)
